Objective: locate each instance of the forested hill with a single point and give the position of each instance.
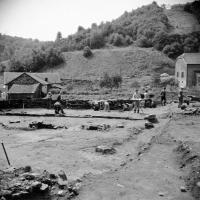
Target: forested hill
(148, 26)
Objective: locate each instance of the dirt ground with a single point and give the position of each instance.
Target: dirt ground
(144, 166)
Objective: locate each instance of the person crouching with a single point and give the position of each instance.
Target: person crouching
(58, 108)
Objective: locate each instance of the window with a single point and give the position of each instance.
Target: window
(182, 74)
(177, 74)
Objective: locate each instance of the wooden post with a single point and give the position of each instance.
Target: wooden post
(5, 153)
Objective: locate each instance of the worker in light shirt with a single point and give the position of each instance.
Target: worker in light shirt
(136, 98)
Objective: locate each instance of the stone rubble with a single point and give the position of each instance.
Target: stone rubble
(19, 184)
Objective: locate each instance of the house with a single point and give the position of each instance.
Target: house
(22, 85)
(187, 70)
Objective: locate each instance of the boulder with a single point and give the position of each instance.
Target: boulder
(62, 175)
(44, 187)
(183, 189)
(27, 168)
(149, 125)
(105, 149)
(61, 193)
(6, 193)
(151, 118)
(36, 185)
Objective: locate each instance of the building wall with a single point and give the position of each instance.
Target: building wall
(181, 72)
(191, 74)
(35, 95)
(20, 96)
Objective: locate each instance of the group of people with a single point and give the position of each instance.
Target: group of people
(164, 98)
(136, 98)
(148, 101)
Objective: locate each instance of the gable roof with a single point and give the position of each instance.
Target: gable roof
(190, 58)
(23, 89)
(52, 78)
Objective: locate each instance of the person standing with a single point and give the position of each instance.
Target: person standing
(136, 98)
(180, 98)
(163, 97)
(106, 106)
(49, 99)
(146, 98)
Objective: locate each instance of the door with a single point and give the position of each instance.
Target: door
(198, 79)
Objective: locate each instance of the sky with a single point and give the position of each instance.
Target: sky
(42, 19)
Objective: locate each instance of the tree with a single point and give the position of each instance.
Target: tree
(87, 52)
(144, 42)
(96, 40)
(173, 50)
(160, 40)
(80, 28)
(116, 39)
(58, 36)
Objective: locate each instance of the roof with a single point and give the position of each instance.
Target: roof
(23, 89)
(190, 58)
(52, 78)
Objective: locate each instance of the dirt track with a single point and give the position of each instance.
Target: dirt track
(144, 167)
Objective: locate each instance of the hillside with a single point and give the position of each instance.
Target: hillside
(182, 22)
(171, 32)
(130, 62)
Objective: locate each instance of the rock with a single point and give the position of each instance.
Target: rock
(62, 184)
(105, 149)
(161, 194)
(61, 193)
(101, 127)
(198, 184)
(36, 185)
(76, 188)
(27, 168)
(6, 193)
(29, 176)
(19, 194)
(62, 175)
(183, 189)
(120, 126)
(52, 176)
(149, 125)
(152, 118)
(183, 107)
(44, 187)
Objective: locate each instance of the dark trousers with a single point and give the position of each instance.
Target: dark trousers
(180, 102)
(137, 106)
(163, 101)
(59, 109)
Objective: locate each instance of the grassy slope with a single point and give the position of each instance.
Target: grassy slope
(137, 64)
(182, 22)
(132, 61)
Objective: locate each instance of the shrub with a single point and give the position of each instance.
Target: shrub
(110, 81)
(173, 50)
(144, 42)
(116, 39)
(171, 81)
(87, 52)
(135, 84)
(116, 81)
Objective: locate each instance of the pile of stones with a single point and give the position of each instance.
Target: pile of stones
(22, 183)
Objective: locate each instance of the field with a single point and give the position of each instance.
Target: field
(145, 165)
